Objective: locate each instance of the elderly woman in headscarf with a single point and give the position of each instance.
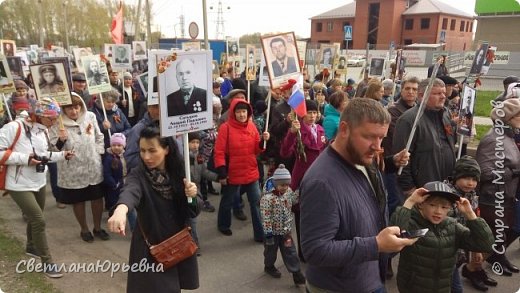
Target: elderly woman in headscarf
(499, 160)
(80, 180)
(115, 119)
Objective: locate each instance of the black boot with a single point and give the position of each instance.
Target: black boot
(497, 265)
(474, 278)
(486, 279)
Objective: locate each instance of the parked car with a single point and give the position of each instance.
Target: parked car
(356, 61)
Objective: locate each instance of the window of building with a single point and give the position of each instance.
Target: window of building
(452, 24)
(425, 23)
(471, 27)
(467, 26)
(407, 41)
(329, 26)
(408, 24)
(319, 27)
(444, 23)
(462, 25)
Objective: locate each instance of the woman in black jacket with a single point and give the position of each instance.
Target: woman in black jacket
(157, 189)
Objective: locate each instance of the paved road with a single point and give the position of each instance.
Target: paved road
(228, 264)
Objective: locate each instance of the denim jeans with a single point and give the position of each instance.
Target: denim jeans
(229, 192)
(456, 282)
(394, 194)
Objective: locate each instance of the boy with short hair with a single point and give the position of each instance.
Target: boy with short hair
(466, 175)
(277, 219)
(427, 266)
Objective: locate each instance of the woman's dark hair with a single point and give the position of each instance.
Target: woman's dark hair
(174, 163)
(174, 166)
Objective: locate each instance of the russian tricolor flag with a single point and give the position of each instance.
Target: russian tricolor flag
(297, 102)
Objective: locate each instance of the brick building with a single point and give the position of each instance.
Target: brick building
(403, 22)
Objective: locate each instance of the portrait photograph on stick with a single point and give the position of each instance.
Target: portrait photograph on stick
(281, 58)
(66, 65)
(51, 81)
(16, 66)
(97, 74)
(121, 57)
(8, 48)
(327, 55)
(467, 107)
(185, 91)
(78, 54)
(139, 50)
(250, 62)
(480, 58)
(232, 47)
(377, 66)
(6, 79)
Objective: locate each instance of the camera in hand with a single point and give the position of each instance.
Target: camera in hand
(40, 167)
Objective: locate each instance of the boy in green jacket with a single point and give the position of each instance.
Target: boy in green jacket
(427, 266)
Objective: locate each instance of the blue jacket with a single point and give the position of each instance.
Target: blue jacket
(331, 121)
(340, 218)
(117, 119)
(132, 141)
(113, 177)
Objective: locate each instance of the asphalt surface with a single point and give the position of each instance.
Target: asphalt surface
(227, 264)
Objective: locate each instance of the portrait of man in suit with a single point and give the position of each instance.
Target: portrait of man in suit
(283, 64)
(189, 98)
(121, 55)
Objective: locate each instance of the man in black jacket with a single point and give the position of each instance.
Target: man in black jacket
(433, 145)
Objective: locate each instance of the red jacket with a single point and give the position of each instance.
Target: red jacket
(240, 142)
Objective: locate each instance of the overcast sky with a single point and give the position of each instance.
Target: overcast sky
(249, 16)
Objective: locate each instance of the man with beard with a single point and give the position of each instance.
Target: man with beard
(343, 206)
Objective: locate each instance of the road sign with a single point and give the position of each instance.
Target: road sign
(348, 32)
(193, 29)
(442, 38)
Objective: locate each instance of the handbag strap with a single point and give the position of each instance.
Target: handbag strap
(9, 150)
(142, 232)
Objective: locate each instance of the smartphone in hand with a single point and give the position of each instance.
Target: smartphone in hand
(414, 234)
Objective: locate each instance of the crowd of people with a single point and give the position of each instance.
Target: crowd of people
(341, 175)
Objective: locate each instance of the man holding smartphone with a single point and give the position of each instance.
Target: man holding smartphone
(344, 233)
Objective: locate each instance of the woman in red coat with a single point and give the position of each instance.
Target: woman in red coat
(238, 144)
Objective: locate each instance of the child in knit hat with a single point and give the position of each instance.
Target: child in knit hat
(277, 220)
(466, 176)
(114, 170)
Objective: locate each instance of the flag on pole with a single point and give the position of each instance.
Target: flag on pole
(117, 27)
(297, 101)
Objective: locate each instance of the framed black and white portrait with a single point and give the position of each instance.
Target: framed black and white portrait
(121, 57)
(185, 91)
(281, 58)
(50, 80)
(96, 73)
(139, 50)
(377, 66)
(6, 79)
